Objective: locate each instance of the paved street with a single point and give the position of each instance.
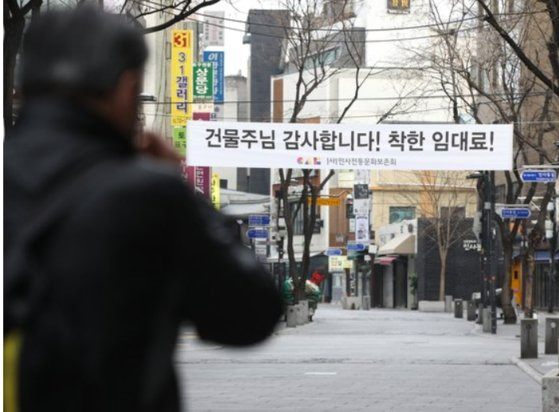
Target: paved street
(378, 360)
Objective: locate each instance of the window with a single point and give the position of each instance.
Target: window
(453, 212)
(298, 226)
(399, 5)
(398, 214)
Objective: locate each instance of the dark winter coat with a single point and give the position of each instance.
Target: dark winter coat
(136, 254)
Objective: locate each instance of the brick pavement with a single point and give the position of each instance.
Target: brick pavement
(378, 360)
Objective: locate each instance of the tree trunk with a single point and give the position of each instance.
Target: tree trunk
(442, 283)
(528, 301)
(529, 286)
(506, 295)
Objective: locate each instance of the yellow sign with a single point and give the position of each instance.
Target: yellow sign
(216, 191)
(326, 201)
(336, 263)
(181, 77)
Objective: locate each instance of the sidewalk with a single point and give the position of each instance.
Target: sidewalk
(535, 368)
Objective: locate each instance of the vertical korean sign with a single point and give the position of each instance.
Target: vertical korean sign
(218, 60)
(203, 81)
(181, 89)
(181, 76)
(216, 191)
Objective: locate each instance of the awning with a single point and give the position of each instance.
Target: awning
(385, 260)
(400, 245)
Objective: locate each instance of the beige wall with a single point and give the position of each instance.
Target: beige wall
(409, 189)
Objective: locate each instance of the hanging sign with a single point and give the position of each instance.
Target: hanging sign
(203, 81)
(181, 76)
(351, 146)
(218, 60)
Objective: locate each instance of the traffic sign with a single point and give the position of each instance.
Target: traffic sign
(356, 247)
(538, 176)
(258, 220)
(257, 233)
(515, 213)
(333, 251)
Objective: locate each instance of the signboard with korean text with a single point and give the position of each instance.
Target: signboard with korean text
(351, 146)
(203, 81)
(259, 220)
(336, 263)
(515, 212)
(333, 251)
(326, 201)
(218, 60)
(216, 191)
(181, 76)
(540, 176)
(202, 181)
(179, 140)
(212, 32)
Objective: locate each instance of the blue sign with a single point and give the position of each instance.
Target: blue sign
(218, 59)
(356, 247)
(538, 176)
(258, 220)
(515, 213)
(257, 233)
(333, 251)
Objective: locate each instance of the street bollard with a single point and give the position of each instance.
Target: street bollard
(551, 334)
(471, 310)
(302, 312)
(550, 391)
(458, 308)
(528, 338)
(479, 320)
(366, 304)
(291, 316)
(448, 303)
(486, 315)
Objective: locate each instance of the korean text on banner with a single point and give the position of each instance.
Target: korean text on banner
(218, 60)
(203, 81)
(351, 146)
(181, 76)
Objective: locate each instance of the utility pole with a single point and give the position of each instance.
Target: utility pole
(486, 233)
(492, 253)
(551, 234)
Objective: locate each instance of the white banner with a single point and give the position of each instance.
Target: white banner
(350, 146)
(362, 228)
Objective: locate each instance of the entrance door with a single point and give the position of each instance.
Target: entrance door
(400, 283)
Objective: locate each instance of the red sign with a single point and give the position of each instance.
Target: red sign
(201, 116)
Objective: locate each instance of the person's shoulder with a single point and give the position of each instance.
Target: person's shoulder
(144, 176)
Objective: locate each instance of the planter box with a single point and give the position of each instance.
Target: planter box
(431, 306)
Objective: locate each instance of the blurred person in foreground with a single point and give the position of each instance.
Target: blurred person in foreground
(126, 251)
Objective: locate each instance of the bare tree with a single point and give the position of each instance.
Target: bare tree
(444, 199)
(313, 38)
(486, 79)
(16, 15)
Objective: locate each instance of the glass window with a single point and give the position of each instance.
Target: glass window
(398, 214)
(399, 5)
